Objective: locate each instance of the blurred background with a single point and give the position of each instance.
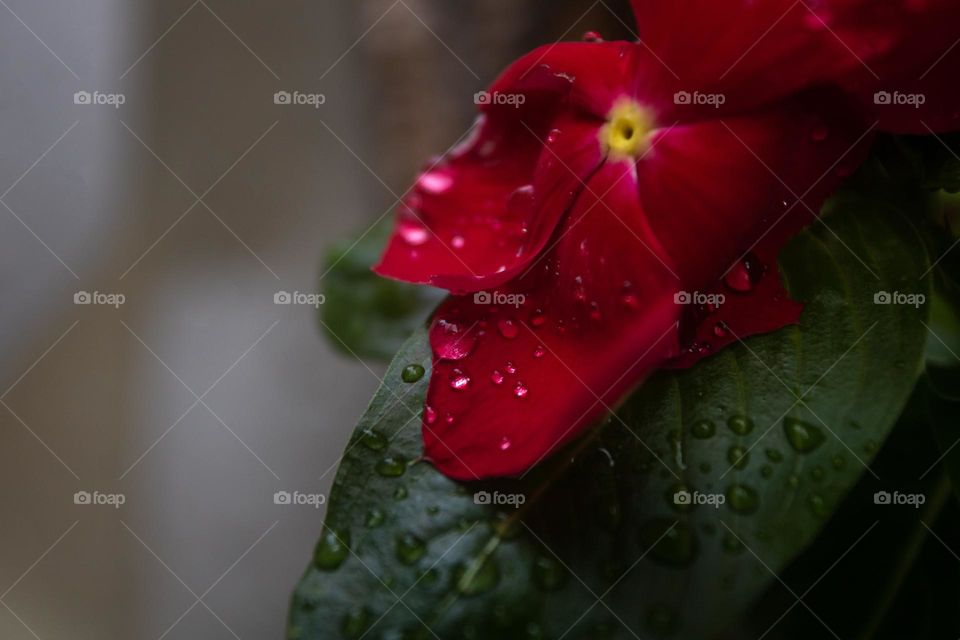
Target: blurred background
(143, 155)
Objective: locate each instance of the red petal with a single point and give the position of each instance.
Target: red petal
(713, 190)
(598, 317)
(754, 52)
(478, 217)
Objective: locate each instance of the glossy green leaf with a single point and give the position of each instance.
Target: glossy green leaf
(602, 546)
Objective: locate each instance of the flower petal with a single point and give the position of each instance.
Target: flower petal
(513, 382)
(479, 216)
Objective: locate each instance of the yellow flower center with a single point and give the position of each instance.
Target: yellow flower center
(628, 128)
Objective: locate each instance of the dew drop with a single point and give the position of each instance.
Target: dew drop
(738, 456)
(592, 36)
(332, 549)
(459, 381)
(392, 467)
(742, 498)
(409, 548)
(740, 425)
(413, 233)
(355, 623)
(508, 328)
(400, 493)
(538, 318)
(818, 505)
(802, 436)
(450, 341)
(511, 368)
(373, 439)
(505, 443)
(539, 352)
(412, 373)
(496, 377)
(703, 429)
(429, 414)
(375, 518)
(774, 455)
(745, 274)
(720, 330)
(473, 579)
(520, 390)
(435, 182)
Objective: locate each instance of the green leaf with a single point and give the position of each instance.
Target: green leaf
(366, 315)
(600, 549)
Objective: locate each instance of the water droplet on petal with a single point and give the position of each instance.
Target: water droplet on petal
(520, 390)
(511, 368)
(745, 274)
(538, 318)
(592, 36)
(457, 242)
(539, 352)
(429, 414)
(508, 328)
(450, 341)
(720, 329)
(505, 443)
(413, 233)
(703, 429)
(496, 377)
(435, 182)
(459, 381)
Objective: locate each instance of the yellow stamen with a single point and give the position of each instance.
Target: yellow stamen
(628, 128)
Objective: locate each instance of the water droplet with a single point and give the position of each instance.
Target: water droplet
(450, 341)
(548, 573)
(738, 456)
(520, 390)
(332, 549)
(592, 36)
(392, 466)
(459, 381)
(373, 439)
(538, 318)
(413, 233)
(740, 425)
(355, 623)
(429, 414)
(745, 274)
(721, 330)
(703, 429)
(817, 474)
(496, 377)
(774, 455)
(434, 182)
(400, 493)
(539, 352)
(409, 548)
(375, 518)
(669, 542)
(508, 328)
(511, 368)
(818, 505)
(412, 373)
(458, 242)
(505, 443)
(742, 498)
(802, 436)
(476, 578)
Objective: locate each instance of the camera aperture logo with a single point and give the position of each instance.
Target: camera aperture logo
(896, 498)
(497, 498)
(95, 498)
(898, 99)
(498, 298)
(497, 98)
(715, 100)
(299, 499)
(99, 298)
(915, 300)
(297, 98)
(688, 498)
(114, 100)
(696, 297)
(309, 299)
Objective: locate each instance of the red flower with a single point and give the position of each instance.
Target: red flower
(620, 206)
